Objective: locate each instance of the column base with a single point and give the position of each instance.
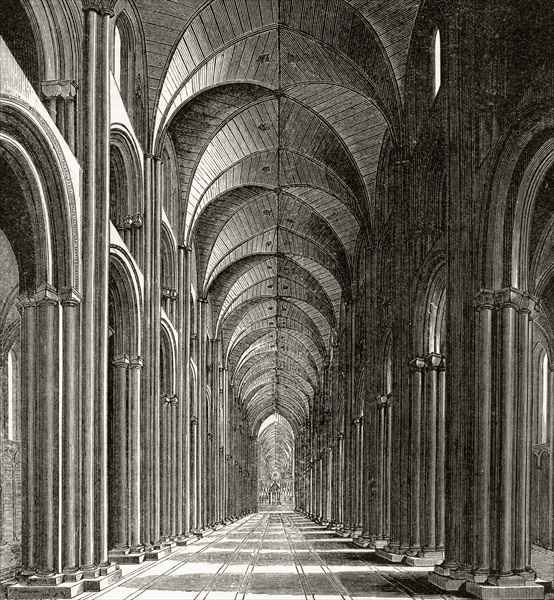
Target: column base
(62, 590)
(428, 559)
(126, 557)
(363, 542)
(445, 582)
(344, 533)
(157, 553)
(72, 576)
(389, 556)
(184, 540)
(108, 575)
(528, 591)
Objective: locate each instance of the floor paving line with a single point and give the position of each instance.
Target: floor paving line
(243, 589)
(209, 587)
(335, 582)
(152, 564)
(388, 579)
(304, 583)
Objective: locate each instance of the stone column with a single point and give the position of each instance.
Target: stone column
(70, 301)
(88, 343)
(184, 417)
(46, 434)
(101, 262)
(358, 519)
(119, 488)
(386, 409)
(416, 368)
(499, 559)
(484, 307)
(340, 487)
(134, 454)
(434, 362)
(175, 489)
(551, 455)
(330, 466)
(155, 232)
(165, 408)
(507, 382)
(29, 347)
(202, 415)
(193, 471)
(441, 450)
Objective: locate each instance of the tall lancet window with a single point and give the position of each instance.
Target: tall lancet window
(544, 401)
(436, 62)
(117, 56)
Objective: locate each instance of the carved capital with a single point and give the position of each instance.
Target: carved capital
(102, 7)
(384, 401)
(484, 299)
(136, 362)
(64, 89)
(70, 297)
(137, 220)
(510, 298)
(23, 302)
(434, 361)
(417, 364)
(121, 361)
(170, 293)
(125, 224)
(46, 294)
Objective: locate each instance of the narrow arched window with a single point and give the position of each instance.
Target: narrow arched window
(12, 404)
(123, 59)
(117, 56)
(544, 400)
(437, 58)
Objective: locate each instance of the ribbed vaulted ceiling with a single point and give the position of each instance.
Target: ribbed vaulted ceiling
(277, 110)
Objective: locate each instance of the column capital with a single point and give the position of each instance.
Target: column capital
(184, 247)
(24, 301)
(102, 7)
(70, 297)
(122, 360)
(194, 421)
(340, 436)
(46, 294)
(484, 299)
(417, 364)
(136, 362)
(434, 361)
(512, 298)
(66, 89)
(384, 401)
(507, 297)
(169, 399)
(358, 420)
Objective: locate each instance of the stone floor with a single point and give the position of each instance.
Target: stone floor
(271, 554)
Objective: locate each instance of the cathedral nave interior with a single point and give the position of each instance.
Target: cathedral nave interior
(276, 299)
